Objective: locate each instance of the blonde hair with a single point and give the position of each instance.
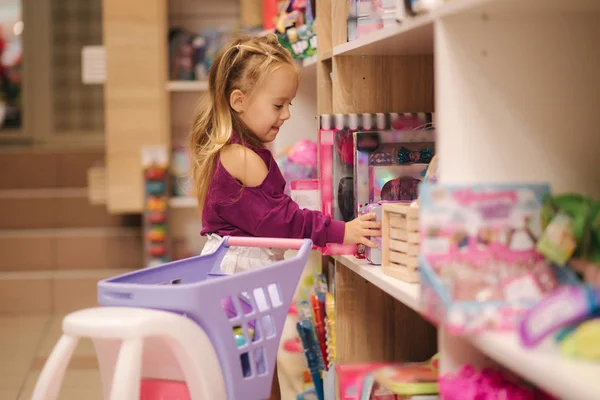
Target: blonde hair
(242, 65)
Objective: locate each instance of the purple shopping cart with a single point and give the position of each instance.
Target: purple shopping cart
(253, 303)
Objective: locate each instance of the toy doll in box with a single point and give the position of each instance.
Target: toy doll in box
(389, 165)
(337, 155)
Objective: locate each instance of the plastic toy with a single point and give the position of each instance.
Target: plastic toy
(583, 341)
(563, 307)
(190, 346)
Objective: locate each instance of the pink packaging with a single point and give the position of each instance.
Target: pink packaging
(389, 165)
(351, 379)
(337, 154)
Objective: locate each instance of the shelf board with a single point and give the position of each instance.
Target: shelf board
(183, 202)
(415, 36)
(407, 293)
(544, 366)
(411, 37)
(187, 86)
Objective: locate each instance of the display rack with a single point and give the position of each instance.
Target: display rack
(510, 108)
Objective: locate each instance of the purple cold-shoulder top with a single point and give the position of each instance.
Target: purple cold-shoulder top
(264, 210)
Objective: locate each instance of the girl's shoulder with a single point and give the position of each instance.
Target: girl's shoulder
(244, 164)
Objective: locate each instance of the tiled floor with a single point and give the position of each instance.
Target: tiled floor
(26, 342)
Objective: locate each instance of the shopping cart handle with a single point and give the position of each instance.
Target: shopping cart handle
(240, 241)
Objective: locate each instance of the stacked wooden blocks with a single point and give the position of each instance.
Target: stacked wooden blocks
(400, 234)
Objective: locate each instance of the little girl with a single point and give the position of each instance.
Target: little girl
(239, 187)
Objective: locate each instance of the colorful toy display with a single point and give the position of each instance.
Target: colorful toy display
(389, 165)
(479, 268)
(156, 182)
(337, 152)
(192, 53)
(387, 381)
(563, 308)
(295, 30)
(572, 224)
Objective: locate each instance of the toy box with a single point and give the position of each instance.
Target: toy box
(337, 154)
(386, 381)
(389, 165)
(400, 241)
(478, 265)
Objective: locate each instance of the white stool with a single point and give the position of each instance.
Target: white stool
(132, 343)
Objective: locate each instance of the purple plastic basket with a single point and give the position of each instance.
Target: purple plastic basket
(182, 287)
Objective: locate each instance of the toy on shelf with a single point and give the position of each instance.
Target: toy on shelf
(177, 339)
(181, 54)
(400, 241)
(192, 53)
(155, 162)
(487, 384)
(298, 162)
(572, 234)
(337, 154)
(387, 381)
(564, 308)
(478, 265)
(295, 29)
(389, 165)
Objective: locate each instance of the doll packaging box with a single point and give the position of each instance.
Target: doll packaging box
(337, 154)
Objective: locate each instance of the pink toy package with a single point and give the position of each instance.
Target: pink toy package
(479, 267)
(389, 165)
(336, 164)
(337, 154)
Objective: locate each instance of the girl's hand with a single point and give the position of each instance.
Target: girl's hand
(359, 229)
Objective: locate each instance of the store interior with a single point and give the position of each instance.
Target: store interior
(469, 127)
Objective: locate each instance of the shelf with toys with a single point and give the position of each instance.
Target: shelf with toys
(407, 293)
(545, 366)
(499, 90)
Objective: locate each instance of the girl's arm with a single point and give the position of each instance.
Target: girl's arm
(270, 215)
(264, 215)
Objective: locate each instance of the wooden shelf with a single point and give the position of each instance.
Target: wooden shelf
(544, 366)
(412, 37)
(407, 293)
(183, 202)
(326, 55)
(415, 36)
(187, 86)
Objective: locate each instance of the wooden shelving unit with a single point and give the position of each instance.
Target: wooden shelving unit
(516, 99)
(371, 324)
(187, 86)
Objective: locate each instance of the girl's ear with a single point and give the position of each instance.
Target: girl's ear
(237, 100)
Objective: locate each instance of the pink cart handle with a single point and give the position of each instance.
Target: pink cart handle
(276, 243)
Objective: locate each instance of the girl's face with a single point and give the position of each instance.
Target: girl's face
(269, 105)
